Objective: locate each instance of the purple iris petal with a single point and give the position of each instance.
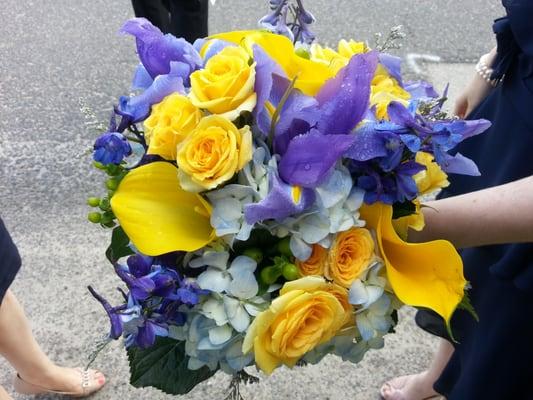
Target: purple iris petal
(114, 317)
(393, 65)
(137, 108)
(367, 145)
(400, 115)
(215, 47)
(298, 115)
(467, 129)
(157, 51)
(344, 99)
(111, 148)
(264, 70)
(280, 202)
(309, 158)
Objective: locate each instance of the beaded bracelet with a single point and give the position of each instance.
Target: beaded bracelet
(486, 72)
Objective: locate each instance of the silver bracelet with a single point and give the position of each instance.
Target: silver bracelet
(485, 72)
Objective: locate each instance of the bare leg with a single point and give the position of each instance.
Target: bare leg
(19, 347)
(4, 395)
(419, 386)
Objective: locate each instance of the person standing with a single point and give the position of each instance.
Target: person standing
(491, 359)
(186, 19)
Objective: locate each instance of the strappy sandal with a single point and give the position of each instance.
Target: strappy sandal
(88, 385)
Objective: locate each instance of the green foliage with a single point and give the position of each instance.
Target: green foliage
(119, 246)
(164, 366)
(404, 209)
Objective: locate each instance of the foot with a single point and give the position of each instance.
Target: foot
(409, 387)
(74, 382)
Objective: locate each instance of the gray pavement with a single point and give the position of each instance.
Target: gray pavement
(54, 52)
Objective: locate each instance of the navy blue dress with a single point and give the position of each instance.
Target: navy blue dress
(494, 357)
(9, 260)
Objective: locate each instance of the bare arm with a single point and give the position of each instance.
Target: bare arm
(501, 214)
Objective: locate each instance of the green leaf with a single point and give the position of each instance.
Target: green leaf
(119, 246)
(164, 366)
(404, 209)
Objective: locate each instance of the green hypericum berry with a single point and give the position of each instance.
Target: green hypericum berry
(302, 52)
(93, 201)
(254, 253)
(104, 204)
(290, 272)
(284, 247)
(94, 217)
(107, 217)
(111, 184)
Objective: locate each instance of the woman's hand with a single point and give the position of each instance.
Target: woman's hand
(475, 92)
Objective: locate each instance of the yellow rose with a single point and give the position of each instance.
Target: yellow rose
(432, 178)
(350, 256)
(315, 264)
(385, 89)
(301, 318)
(313, 283)
(336, 60)
(213, 153)
(169, 123)
(226, 85)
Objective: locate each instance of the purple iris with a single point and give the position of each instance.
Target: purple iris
(157, 51)
(111, 148)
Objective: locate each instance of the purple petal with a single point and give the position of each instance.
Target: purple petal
(139, 265)
(264, 69)
(469, 128)
(279, 203)
(309, 158)
(157, 51)
(137, 108)
(421, 90)
(145, 335)
(141, 78)
(400, 115)
(114, 318)
(459, 164)
(393, 65)
(368, 144)
(344, 99)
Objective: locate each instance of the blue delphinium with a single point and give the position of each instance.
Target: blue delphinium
(111, 148)
(297, 30)
(154, 301)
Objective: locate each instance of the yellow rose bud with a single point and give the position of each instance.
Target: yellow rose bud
(315, 264)
(169, 123)
(213, 153)
(432, 178)
(350, 255)
(226, 85)
(301, 318)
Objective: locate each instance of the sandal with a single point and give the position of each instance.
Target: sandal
(88, 385)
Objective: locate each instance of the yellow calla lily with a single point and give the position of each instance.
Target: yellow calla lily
(157, 214)
(311, 74)
(426, 275)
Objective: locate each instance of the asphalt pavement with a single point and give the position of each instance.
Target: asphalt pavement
(58, 54)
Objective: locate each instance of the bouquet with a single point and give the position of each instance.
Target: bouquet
(260, 191)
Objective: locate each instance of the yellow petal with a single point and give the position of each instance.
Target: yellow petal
(157, 214)
(426, 275)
